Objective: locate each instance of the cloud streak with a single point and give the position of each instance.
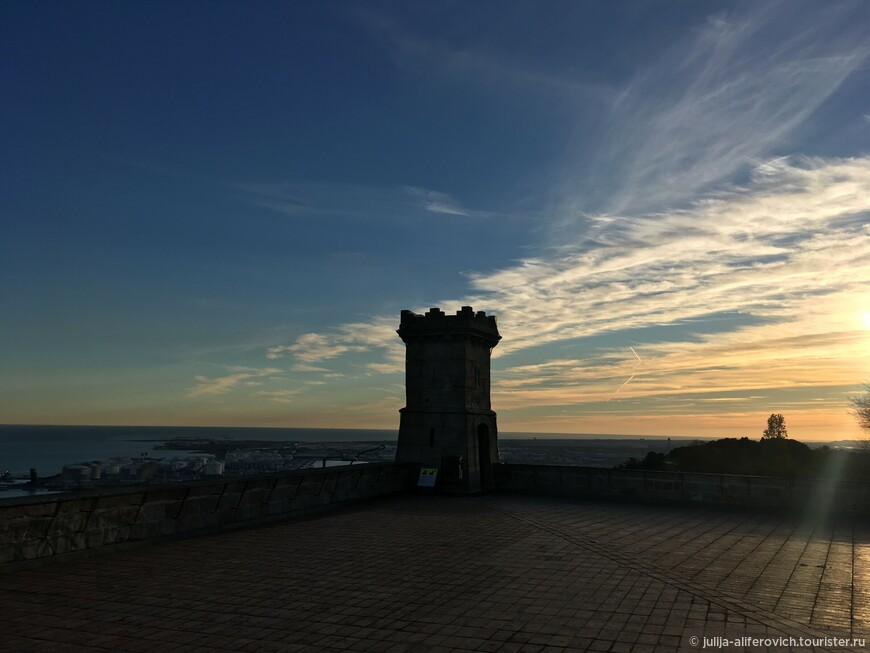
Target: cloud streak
(760, 250)
(209, 386)
(312, 348)
(686, 211)
(281, 396)
(720, 100)
(790, 250)
(479, 63)
(310, 199)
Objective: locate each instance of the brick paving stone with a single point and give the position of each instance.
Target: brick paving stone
(495, 573)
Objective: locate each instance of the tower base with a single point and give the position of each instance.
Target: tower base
(462, 445)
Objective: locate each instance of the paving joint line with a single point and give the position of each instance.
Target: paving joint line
(773, 557)
(750, 553)
(810, 538)
(741, 538)
(822, 575)
(709, 594)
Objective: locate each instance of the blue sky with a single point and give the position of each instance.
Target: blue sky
(212, 213)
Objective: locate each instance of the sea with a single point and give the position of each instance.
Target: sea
(48, 448)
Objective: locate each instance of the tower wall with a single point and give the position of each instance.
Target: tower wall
(448, 414)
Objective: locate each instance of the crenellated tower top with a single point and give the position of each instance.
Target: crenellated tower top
(437, 324)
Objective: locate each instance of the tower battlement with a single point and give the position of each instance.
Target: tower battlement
(435, 323)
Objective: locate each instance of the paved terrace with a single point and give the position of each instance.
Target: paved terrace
(493, 573)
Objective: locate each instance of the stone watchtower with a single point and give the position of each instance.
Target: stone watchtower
(448, 422)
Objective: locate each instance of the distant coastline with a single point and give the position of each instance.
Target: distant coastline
(352, 434)
(49, 447)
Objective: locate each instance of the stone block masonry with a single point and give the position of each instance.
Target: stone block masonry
(802, 494)
(63, 525)
(53, 528)
(448, 422)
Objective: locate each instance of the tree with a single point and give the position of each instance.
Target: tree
(861, 408)
(775, 428)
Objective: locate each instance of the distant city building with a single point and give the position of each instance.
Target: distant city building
(139, 471)
(214, 468)
(256, 461)
(76, 473)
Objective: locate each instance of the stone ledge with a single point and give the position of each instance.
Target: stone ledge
(34, 530)
(794, 494)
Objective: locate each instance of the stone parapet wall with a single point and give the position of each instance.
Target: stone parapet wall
(819, 495)
(63, 524)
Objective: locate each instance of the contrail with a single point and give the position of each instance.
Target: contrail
(625, 383)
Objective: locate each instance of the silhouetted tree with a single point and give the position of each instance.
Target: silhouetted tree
(652, 460)
(861, 408)
(775, 427)
(768, 457)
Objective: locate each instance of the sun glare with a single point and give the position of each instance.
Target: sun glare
(866, 318)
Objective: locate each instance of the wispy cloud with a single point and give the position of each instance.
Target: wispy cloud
(798, 230)
(309, 199)
(387, 368)
(299, 367)
(377, 335)
(313, 347)
(723, 98)
(478, 62)
(281, 396)
(773, 357)
(790, 249)
(686, 211)
(436, 202)
(206, 386)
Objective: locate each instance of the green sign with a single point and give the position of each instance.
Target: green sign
(427, 477)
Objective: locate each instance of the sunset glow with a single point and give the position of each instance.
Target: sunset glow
(667, 207)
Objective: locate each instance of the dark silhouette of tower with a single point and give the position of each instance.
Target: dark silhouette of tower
(448, 421)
